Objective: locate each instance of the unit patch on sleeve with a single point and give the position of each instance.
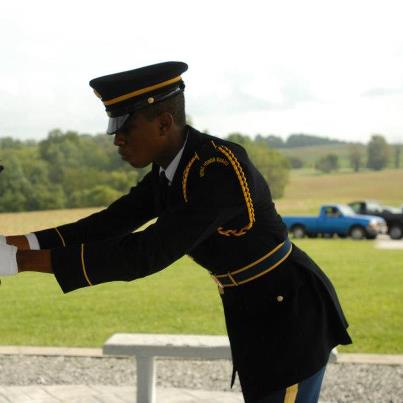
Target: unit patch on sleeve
(212, 161)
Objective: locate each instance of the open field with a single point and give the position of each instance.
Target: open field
(305, 193)
(22, 223)
(311, 154)
(183, 298)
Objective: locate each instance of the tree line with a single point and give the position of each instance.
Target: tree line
(376, 155)
(66, 170)
(296, 140)
(72, 170)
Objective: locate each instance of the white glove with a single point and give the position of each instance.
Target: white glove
(8, 260)
(31, 238)
(32, 241)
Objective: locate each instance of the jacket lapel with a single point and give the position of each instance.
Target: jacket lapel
(193, 140)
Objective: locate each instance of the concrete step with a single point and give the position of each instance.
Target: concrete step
(108, 394)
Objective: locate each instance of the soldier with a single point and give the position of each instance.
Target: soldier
(211, 203)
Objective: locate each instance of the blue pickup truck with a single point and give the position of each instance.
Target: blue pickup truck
(336, 219)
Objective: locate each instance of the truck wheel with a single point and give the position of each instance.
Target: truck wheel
(358, 233)
(395, 232)
(298, 231)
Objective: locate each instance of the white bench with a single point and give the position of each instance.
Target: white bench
(148, 346)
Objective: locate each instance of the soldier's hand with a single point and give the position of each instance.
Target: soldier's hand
(8, 260)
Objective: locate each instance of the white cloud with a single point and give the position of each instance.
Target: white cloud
(257, 67)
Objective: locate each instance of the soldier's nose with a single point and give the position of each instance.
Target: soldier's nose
(118, 140)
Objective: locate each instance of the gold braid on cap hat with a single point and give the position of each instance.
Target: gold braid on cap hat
(141, 91)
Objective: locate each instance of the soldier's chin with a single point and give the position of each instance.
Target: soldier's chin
(137, 164)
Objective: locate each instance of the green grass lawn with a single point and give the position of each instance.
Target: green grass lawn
(369, 283)
(183, 299)
(180, 299)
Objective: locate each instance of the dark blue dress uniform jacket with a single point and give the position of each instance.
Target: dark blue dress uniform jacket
(220, 212)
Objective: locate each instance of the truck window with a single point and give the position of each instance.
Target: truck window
(332, 212)
(356, 207)
(374, 207)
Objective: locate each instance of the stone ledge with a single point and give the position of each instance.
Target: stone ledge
(51, 351)
(380, 359)
(342, 358)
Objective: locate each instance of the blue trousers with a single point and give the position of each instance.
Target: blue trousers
(306, 391)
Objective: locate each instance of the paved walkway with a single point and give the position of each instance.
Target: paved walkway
(122, 394)
(388, 244)
(108, 394)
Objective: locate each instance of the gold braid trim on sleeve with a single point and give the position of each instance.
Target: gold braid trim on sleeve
(186, 174)
(83, 266)
(245, 190)
(60, 236)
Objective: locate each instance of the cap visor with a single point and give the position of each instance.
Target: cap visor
(117, 123)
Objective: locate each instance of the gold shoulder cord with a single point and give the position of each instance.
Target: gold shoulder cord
(244, 185)
(186, 174)
(245, 190)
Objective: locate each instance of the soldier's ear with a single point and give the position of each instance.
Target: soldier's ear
(166, 121)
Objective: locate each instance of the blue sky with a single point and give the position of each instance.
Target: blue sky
(330, 68)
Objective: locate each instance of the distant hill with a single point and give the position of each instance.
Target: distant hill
(297, 140)
(310, 154)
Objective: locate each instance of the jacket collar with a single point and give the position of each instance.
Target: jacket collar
(193, 140)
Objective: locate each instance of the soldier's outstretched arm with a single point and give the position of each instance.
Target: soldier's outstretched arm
(13, 260)
(122, 217)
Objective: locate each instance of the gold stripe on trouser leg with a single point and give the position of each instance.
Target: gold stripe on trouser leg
(291, 393)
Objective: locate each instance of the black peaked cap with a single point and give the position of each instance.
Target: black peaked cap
(125, 92)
